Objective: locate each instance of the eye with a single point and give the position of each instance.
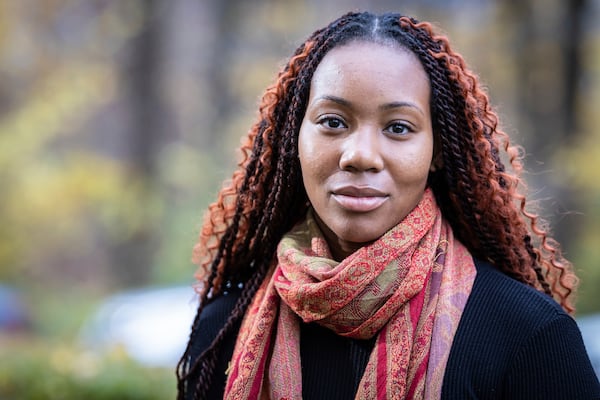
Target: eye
(331, 122)
(399, 129)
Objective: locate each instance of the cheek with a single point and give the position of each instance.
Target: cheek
(304, 152)
(422, 155)
(306, 157)
(423, 164)
(311, 165)
(310, 152)
(315, 164)
(412, 168)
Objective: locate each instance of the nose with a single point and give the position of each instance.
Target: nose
(361, 151)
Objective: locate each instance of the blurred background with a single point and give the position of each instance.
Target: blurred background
(119, 119)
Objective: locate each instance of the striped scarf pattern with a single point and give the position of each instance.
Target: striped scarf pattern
(408, 288)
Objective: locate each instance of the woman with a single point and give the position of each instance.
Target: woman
(373, 244)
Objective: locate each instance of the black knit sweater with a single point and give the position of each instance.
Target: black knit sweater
(512, 342)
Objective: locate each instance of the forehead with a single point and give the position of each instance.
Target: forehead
(359, 51)
(373, 67)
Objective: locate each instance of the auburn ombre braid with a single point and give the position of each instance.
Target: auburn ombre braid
(479, 197)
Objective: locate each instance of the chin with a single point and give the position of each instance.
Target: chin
(360, 235)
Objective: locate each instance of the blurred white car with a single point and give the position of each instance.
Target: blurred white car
(152, 325)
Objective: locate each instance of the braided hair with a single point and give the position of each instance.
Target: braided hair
(477, 194)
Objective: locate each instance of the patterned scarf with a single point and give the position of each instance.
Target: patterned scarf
(408, 288)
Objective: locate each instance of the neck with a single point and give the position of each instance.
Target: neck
(340, 249)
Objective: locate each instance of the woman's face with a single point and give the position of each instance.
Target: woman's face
(366, 142)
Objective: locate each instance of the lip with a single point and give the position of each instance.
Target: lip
(359, 199)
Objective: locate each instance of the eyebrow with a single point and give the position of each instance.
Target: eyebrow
(386, 106)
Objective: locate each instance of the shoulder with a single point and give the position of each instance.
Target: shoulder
(212, 318)
(501, 314)
(516, 342)
(501, 298)
(507, 313)
(219, 307)
(209, 322)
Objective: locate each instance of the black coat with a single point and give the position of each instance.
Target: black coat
(512, 342)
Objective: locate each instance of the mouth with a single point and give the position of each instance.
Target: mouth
(359, 199)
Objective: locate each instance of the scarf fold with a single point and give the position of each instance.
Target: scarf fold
(408, 288)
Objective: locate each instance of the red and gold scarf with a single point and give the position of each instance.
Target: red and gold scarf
(408, 288)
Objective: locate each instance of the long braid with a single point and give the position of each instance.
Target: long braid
(266, 197)
(477, 167)
(505, 239)
(260, 188)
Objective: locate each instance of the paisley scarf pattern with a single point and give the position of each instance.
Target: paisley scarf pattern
(408, 288)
